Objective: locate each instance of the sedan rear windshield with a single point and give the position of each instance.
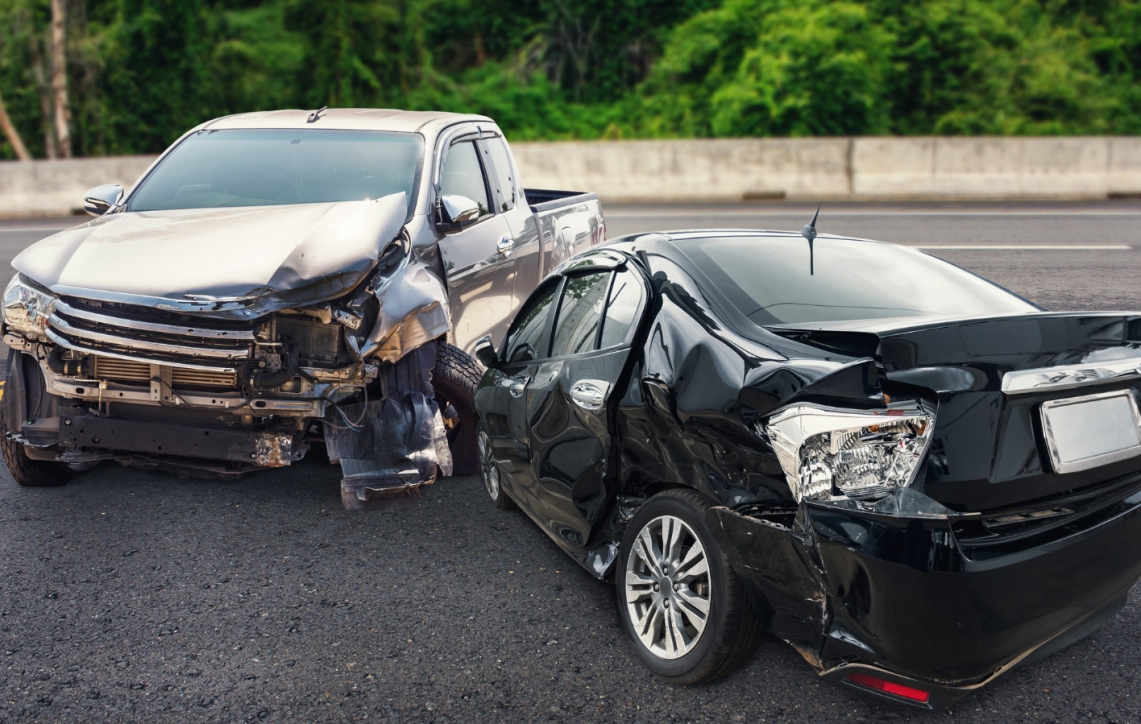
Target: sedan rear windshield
(273, 167)
(778, 280)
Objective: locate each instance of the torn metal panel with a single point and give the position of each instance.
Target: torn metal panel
(388, 448)
(412, 312)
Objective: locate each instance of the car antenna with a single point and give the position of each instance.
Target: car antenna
(316, 115)
(809, 232)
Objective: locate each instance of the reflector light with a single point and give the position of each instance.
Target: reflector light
(889, 687)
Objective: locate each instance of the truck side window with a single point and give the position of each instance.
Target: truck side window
(462, 175)
(580, 313)
(504, 174)
(527, 339)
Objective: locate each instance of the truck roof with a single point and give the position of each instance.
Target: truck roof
(356, 119)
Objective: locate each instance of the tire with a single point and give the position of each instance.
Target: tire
(25, 471)
(705, 646)
(489, 472)
(455, 377)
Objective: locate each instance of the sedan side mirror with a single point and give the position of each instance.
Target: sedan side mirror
(485, 352)
(99, 200)
(457, 212)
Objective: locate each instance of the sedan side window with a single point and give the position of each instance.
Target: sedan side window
(462, 175)
(622, 309)
(580, 314)
(525, 341)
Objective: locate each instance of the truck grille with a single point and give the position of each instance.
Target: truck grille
(121, 370)
(141, 335)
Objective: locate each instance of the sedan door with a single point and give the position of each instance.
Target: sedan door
(478, 260)
(573, 396)
(506, 402)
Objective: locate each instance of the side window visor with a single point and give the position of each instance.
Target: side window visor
(504, 176)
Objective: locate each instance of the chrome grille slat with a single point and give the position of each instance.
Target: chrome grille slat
(66, 333)
(133, 357)
(68, 310)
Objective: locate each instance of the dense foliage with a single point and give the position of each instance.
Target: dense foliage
(140, 72)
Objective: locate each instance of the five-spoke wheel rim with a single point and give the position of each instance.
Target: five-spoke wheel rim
(668, 592)
(488, 469)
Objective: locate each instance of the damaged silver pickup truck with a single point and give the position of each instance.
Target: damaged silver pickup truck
(275, 280)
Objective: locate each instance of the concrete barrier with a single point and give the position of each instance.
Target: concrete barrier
(727, 170)
(995, 168)
(52, 188)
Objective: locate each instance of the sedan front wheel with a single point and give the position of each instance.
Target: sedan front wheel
(679, 600)
(489, 472)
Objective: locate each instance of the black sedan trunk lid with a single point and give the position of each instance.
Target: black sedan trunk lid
(991, 377)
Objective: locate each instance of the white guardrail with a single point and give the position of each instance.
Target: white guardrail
(869, 168)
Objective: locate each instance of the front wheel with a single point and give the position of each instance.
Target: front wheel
(25, 384)
(489, 471)
(455, 377)
(680, 601)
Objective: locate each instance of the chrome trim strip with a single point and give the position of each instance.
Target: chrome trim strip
(240, 306)
(64, 342)
(1095, 461)
(1020, 382)
(64, 308)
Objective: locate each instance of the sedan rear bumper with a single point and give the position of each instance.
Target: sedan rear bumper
(904, 596)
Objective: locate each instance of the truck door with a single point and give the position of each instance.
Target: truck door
(479, 260)
(511, 202)
(572, 397)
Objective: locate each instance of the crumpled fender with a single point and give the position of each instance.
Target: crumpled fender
(413, 311)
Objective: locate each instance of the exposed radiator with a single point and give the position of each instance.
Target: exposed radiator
(111, 368)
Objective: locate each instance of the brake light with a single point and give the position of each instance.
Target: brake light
(889, 687)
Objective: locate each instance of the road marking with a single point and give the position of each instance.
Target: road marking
(1027, 247)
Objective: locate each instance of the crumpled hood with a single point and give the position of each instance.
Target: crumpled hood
(220, 253)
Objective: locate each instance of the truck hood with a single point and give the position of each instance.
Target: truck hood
(228, 258)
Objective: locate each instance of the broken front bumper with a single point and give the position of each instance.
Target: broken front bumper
(903, 599)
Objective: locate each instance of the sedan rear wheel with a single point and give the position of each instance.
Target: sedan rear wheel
(489, 471)
(678, 597)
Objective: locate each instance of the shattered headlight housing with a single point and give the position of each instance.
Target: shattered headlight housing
(830, 454)
(26, 309)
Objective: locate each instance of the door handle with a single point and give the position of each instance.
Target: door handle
(589, 394)
(505, 245)
(517, 385)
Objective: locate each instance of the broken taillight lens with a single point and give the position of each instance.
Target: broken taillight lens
(831, 454)
(889, 687)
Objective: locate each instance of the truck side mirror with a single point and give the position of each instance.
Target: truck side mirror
(457, 212)
(99, 200)
(485, 352)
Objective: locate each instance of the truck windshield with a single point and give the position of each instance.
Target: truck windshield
(772, 281)
(272, 167)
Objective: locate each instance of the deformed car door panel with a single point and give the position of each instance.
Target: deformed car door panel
(570, 443)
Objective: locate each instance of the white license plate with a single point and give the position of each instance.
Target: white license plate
(1085, 432)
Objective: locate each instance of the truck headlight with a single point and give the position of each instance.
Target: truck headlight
(26, 309)
(827, 453)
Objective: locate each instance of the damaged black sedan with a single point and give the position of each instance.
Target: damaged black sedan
(916, 478)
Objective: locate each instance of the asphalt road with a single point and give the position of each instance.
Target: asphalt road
(129, 596)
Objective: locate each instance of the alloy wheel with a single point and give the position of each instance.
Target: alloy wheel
(668, 591)
(488, 468)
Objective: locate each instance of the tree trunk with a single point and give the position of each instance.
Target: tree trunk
(59, 79)
(46, 114)
(13, 135)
